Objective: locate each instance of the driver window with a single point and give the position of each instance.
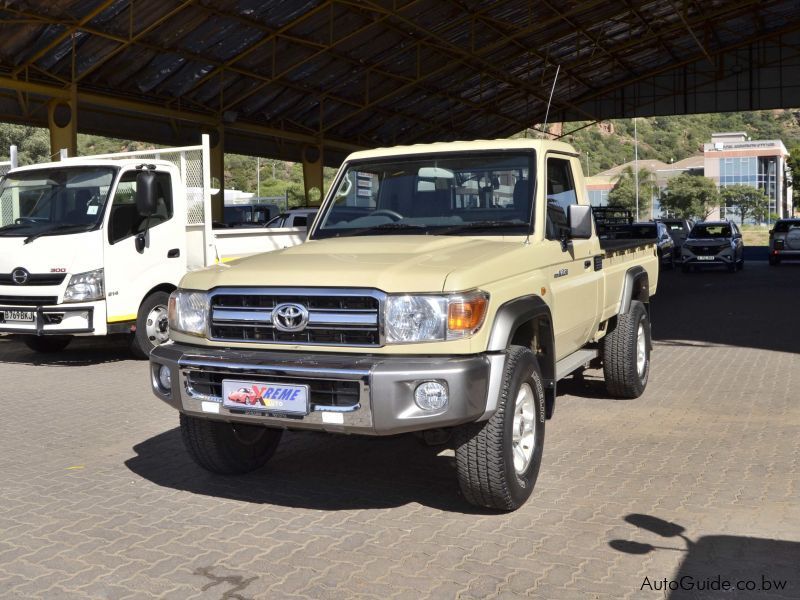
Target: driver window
(125, 220)
(560, 194)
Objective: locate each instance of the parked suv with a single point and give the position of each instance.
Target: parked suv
(715, 243)
(784, 241)
(678, 230)
(652, 231)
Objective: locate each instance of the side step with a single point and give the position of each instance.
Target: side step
(574, 361)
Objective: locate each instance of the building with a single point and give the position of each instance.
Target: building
(729, 159)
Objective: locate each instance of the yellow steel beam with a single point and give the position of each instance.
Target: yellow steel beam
(134, 38)
(103, 100)
(63, 36)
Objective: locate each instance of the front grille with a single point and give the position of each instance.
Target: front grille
(334, 318)
(35, 279)
(28, 300)
(707, 250)
(322, 392)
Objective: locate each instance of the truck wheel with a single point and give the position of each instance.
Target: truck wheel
(228, 448)
(48, 344)
(626, 353)
(498, 460)
(152, 327)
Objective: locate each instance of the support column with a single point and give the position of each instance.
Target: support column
(312, 175)
(218, 174)
(62, 119)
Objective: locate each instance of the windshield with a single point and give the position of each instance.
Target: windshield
(711, 230)
(63, 200)
(443, 194)
(784, 226)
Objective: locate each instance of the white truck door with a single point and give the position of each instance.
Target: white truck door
(129, 273)
(575, 283)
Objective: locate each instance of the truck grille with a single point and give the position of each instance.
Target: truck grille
(28, 300)
(341, 394)
(35, 279)
(340, 318)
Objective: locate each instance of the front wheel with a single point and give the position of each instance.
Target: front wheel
(47, 344)
(152, 325)
(626, 353)
(228, 448)
(498, 460)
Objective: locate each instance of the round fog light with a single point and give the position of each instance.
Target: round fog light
(431, 395)
(165, 378)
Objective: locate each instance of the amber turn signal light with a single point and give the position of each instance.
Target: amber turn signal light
(466, 314)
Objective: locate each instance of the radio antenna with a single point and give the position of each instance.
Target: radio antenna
(550, 100)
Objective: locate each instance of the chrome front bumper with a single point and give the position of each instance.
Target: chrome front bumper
(386, 386)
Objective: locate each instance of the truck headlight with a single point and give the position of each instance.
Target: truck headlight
(430, 318)
(188, 312)
(84, 287)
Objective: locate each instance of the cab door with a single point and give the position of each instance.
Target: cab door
(575, 284)
(129, 273)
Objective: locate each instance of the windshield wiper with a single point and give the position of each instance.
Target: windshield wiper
(77, 226)
(384, 227)
(481, 225)
(15, 225)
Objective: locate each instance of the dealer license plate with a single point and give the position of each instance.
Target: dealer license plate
(18, 316)
(705, 258)
(265, 396)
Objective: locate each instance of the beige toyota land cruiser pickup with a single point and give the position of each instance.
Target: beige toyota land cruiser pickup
(444, 288)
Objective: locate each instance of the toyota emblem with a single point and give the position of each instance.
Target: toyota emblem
(290, 317)
(20, 276)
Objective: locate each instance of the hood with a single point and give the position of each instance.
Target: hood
(392, 263)
(75, 253)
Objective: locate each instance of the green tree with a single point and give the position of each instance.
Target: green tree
(33, 143)
(624, 191)
(794, 165)
(747, 201)
(690, 196)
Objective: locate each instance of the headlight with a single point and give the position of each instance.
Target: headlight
(434, 318)
(188, 312)
(84, 287)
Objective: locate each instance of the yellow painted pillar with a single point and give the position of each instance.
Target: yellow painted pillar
(312, 175)
(218, 174)
(62, 119)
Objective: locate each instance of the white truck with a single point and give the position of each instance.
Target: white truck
(78, 257)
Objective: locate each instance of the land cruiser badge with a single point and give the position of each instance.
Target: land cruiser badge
(561, 273)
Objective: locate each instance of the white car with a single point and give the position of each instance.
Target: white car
(297, 217)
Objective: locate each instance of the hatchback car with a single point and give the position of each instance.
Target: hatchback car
(713, 243)
(784, 241)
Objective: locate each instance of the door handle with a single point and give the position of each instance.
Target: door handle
(587, 264)
(174, 253)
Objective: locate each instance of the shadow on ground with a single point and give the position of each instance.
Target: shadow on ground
(762, 568)
(749, 308)
(80, 353)
(317, 471)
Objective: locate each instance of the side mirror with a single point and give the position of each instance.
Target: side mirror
(580, 221)
(146, 193)
(771, 231)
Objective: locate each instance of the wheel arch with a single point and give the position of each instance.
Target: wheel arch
(636, 286)
(161, 287)
(527, 321)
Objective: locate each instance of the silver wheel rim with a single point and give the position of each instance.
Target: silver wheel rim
(157, 325)
(641, 351)
(523, 439)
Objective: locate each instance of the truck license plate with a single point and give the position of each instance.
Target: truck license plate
(705, 258)
(18, 316)
(265, 396)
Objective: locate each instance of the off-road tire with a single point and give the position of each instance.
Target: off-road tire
(49, 344)
(484, 460)
(226, 448)
(140, 345)
(620, 354)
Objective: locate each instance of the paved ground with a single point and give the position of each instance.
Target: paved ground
(699, 478)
